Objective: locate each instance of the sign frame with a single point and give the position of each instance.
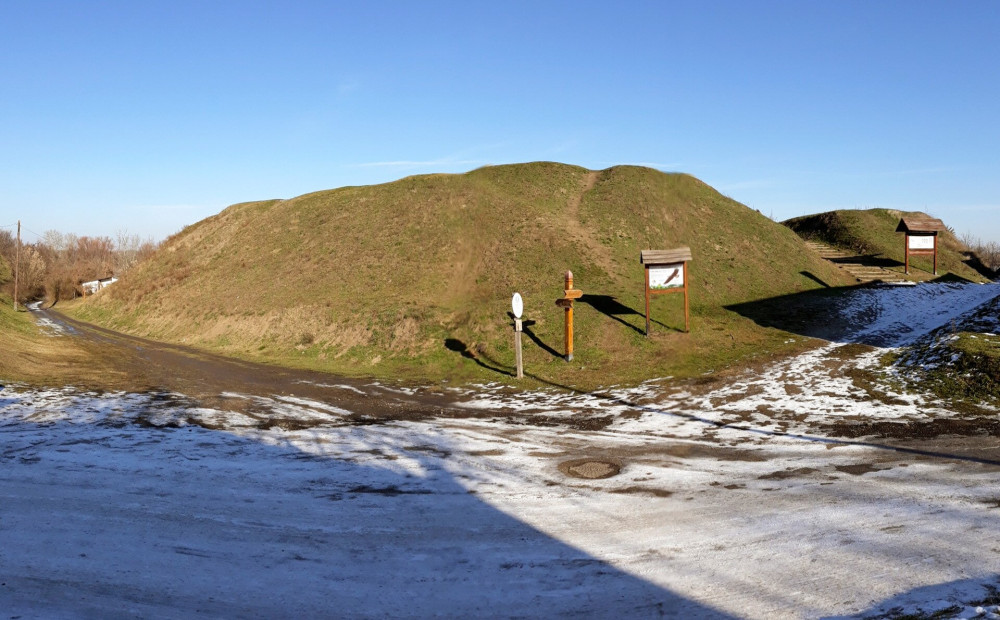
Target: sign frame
(919, 226)
(912, 251)
(668, 265)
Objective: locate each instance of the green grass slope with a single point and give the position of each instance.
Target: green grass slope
(413, 278)
(873, 232)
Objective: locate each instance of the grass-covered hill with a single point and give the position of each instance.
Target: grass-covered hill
(413, 278)
(872, 232)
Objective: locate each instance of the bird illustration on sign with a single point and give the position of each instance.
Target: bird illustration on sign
(667, 276)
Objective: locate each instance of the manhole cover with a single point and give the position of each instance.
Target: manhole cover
(591, 469)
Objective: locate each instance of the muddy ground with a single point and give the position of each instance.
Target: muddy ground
(189, 377)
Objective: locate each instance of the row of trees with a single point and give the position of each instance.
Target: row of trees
(54, 266)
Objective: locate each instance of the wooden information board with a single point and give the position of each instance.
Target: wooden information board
(666, 272)
(921, 237)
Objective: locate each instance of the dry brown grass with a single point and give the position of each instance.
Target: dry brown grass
(35, 357)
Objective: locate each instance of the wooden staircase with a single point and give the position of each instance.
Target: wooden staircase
(865, 269)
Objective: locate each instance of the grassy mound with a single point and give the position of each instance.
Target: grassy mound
(872, 232)
(961, 362)
(976, 371)
(413, 279)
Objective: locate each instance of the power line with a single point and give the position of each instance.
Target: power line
(26, 229)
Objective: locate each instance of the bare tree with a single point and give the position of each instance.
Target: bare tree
(988, 253)
(31, 273)
(54, 240)
(127, 248)
(7, 246)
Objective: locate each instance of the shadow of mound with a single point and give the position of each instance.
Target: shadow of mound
(373, 521)
(973, 262)
(815, 314)
(950, 278)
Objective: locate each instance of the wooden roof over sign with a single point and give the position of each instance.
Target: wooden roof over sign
(919, 224)
(664, 257)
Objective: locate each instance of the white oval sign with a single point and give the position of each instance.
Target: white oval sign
(517, 305)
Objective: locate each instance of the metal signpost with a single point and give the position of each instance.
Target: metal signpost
(666, 272)
(517, 305)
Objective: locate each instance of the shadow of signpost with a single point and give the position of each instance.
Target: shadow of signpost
(538, 341)
(456, 345)
(526, 326)
(609, 306)
(814, 278)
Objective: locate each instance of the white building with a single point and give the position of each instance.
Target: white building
(89, 288)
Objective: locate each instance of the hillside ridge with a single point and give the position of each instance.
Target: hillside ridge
(380, 279)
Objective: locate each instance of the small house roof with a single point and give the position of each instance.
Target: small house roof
(664, 257)
(919, 224)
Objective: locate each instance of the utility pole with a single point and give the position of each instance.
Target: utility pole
(17, 262)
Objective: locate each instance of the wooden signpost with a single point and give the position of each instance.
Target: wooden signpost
(517, 305)
(920, 238)
(566, 301)
(666, 272)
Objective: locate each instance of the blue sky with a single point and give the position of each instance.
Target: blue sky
(148, 116)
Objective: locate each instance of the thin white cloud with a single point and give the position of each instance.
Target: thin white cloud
(915, 171)
(347, 87)
(645, 164)
(748, 184)
(971, 207)
(420, 164)
(463, 157)
(171, 208)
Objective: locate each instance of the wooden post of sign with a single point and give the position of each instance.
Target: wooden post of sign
(517, 348)
(906, 252)
(569, 319)
(647, 302)
(935, 254)
(566, 302)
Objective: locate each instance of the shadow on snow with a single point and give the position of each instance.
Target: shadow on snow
(105, 516)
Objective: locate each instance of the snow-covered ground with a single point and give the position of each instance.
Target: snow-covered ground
(732, 499)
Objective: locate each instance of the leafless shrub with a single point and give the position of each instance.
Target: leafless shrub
(987, 252)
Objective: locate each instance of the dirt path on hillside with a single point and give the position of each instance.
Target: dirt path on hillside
(596, 251)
